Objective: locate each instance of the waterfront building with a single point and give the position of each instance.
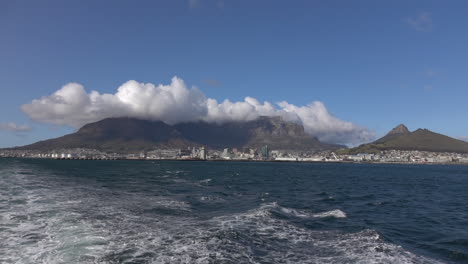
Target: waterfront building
(226, 153)
(202, 153)
(264, 152)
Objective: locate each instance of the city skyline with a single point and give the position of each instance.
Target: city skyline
(356, 68)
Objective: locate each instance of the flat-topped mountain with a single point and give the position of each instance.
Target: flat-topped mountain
(271, 131)
(129, 134)
(400, 138)
(117, 135)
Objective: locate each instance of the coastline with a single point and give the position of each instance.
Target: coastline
(253, 161)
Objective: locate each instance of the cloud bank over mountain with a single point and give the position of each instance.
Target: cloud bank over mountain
(176, 103)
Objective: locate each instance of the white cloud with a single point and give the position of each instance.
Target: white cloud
(175, 103)
(318, 121)
(14, 127)
(464, 138)
(422, 22)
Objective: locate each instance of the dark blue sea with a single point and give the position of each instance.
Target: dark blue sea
(66, 211)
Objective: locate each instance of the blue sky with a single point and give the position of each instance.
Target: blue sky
(373, 63)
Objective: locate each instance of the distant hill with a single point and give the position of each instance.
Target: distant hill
(400, 138)
(125, 135)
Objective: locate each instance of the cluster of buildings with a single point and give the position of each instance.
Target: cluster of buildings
(193, 153)
(414, 156)
(77, 153)
(247, 154)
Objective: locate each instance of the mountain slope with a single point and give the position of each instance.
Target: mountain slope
(421, 139)
(395, 132)
(271, 131)
(117, 135)
(129, 135)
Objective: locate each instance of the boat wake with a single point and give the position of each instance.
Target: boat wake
(62, 223)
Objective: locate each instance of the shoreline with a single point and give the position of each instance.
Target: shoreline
(259, 161)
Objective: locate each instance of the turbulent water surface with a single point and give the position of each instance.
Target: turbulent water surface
(231, 212)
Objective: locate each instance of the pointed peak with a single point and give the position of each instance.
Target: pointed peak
(400, 129)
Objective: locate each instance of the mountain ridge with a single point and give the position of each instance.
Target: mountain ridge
(124, 135)
(400, 138)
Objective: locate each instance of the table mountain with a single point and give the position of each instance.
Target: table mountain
(125, 135)
(120, 135)
(271, 131)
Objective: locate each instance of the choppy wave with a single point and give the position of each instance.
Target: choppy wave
(60, 222)
(337, 213)
(56, 234)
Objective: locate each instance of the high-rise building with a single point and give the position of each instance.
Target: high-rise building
(202, 153)
(194, 153)
(226, 153)
(264, 152)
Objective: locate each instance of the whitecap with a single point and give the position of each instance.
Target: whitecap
(72, 236)
(337, 213)
(294, 212)
(205, 181)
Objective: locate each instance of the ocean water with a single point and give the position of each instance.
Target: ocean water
(231, 212)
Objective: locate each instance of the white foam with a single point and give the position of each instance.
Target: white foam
(205, 181)
(328, 246)
(211, 198)
(71, 236)
(337, 213)
(295, 213)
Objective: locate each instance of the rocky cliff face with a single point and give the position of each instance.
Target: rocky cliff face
(271, 131)
(276, 127)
